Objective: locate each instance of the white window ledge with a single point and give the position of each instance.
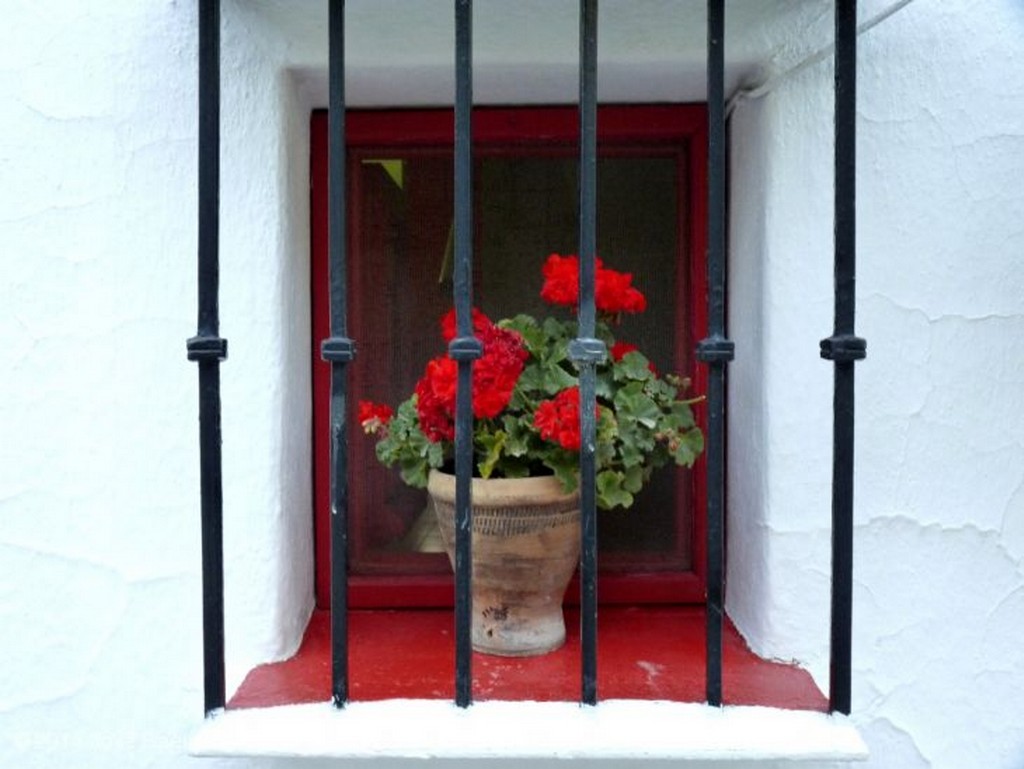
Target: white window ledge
(620, 729)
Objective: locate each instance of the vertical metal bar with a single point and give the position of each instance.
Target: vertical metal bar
(339, 350)
(586, 350)
(208, 349)
(209, 166)
(465, 348)
(716, 350)
(844, 348)
(588, 165)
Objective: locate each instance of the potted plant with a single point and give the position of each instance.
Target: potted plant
(526, 442)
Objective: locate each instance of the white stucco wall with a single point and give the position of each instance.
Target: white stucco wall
(99, 535)
(939, 596)
(265, 317)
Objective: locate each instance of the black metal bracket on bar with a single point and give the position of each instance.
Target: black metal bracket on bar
(338, 349)
(715, 349)
(465, 348)
(843, 348)
(207, 348)
(588, 350)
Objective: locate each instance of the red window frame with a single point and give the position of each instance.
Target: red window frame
(682, 126)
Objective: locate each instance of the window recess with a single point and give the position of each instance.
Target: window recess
(843, 348)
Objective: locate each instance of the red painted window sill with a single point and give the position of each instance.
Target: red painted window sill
(649, 652)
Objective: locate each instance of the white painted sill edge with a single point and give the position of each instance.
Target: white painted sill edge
(616, 729)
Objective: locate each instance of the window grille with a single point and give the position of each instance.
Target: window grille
(843, 348)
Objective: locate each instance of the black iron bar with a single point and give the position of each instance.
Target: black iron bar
(586, 350)
(209, 167)
(716, 351)
(464, 348)
(338, 349)
(844, 348)
(208, 349)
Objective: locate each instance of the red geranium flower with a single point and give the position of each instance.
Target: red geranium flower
(449, 328)
(495, 375)
(561, 280)
(613, 290)
(374, 416)
(435, 399)
(621, 349)
(558, 419)
(496, 372)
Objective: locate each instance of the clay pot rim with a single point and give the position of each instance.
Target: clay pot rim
(442, 484)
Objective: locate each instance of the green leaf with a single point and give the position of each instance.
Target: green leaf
(558, 330)
(512, 468)
(690, 445)
(633, 479)
(414, 472)
(492, 444)
(632, 402)
(610, 491)
(634, 365)
(531, 379)
(682, 415)
(557, 379)
(435, 454)
(518, 436)
(565, 465)
(631, 455)
(532, 334)
(607, 435)
(661, 390)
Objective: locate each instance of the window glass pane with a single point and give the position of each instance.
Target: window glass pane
(525, 209)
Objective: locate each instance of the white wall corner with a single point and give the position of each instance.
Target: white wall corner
(780, 418)
(265, 310)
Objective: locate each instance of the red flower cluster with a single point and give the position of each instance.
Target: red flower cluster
(495, 375)
(558, 419)
(613, 290)
(449, 329)
(374, 416)
(435, 399)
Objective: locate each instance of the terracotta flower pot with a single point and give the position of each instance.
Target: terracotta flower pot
(526, 544)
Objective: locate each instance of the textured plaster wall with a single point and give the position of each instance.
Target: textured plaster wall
(939, 593)
(266, 385)
(943, 431)
(98, 457)
(99, 529)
